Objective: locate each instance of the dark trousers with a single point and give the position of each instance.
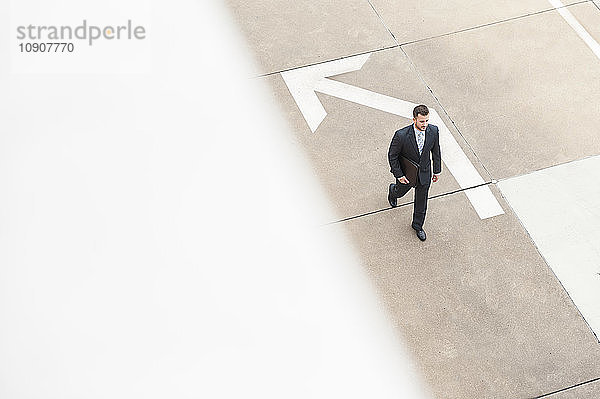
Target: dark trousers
(420, 204)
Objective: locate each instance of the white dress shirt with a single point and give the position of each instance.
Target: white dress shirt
(417, 140)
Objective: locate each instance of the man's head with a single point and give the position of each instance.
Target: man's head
(421, 117)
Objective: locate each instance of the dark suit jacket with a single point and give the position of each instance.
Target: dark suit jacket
(404, 143)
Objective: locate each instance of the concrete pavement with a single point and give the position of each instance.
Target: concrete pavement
(483, 312)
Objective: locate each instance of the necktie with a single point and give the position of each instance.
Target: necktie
(420, 140)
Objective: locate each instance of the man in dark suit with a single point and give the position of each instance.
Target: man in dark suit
(415, 142)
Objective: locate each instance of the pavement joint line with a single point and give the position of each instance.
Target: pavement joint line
(383, 22)
(549, 167)
(419, 40)
(443, 109)
(493, 23)
(406, 204)
(565, 389)
(325, 61)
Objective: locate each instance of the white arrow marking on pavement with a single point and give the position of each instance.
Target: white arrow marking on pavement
(303, 83)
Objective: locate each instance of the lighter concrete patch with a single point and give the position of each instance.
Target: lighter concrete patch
(560, 208)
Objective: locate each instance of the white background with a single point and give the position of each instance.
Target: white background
(103, 56)
(158, 234)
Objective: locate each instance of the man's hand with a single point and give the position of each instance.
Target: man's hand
(434, 178)
(403, 180)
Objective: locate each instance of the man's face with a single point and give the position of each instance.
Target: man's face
(421, 121)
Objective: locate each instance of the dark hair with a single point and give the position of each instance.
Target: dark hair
(420, 110)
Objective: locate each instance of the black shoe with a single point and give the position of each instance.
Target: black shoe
(391, 198)
(421, 234)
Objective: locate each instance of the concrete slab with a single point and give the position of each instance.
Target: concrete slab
(349, 148)
(481, 311)
(587, 391)
(565, 226)
(286, 34)
(525, 94)
(409, 20)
